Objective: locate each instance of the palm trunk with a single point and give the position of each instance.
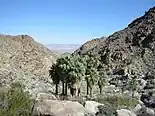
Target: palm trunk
(56, 89)
(73, 90)
(133, 94)
(91, 92)
(76, 89)
(63, 88)
(100, 89)
(66, 87)
(87, 88)
(79, 91)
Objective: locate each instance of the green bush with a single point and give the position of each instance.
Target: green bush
(14, 101)
(106, 110)
(118, 101)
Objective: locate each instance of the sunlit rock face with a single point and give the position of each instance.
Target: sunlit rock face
(23, 59)
(131, 48)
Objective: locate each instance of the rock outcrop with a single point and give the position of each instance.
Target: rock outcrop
(144, 111)
(125, 112)
(92, 107)
(23, 59)
(48, 107)
(46, 104)
(130, 48)
(42, 96)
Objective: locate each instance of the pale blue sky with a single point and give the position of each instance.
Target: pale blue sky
(68, 21)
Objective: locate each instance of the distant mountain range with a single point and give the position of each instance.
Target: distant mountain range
(63, 48)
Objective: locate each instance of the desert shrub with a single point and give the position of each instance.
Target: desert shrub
(14, 101)
(106, 110)
(118, 101)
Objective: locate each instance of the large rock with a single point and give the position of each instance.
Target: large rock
(144, 111)
(42, 96)
(150, 112)
(125, 112)
(137, 108)
(58, 108)
(92, 107)
(148, 100)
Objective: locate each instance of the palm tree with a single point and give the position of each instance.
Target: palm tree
(92, 79)
(61, 67)
(76, 73)
(71, 70)
(66, 72)
(92, 73)
(64, 69)
(55, 77)
(86, 66)
(81, 70)
(102, 80)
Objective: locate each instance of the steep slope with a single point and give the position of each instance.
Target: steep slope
(23, 59)
(130, 48)
(89, 45)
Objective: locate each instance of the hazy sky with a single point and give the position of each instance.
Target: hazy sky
(68, 21)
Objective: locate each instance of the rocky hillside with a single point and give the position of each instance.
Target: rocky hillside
(89, 45)
(23, 59)
(130, 48)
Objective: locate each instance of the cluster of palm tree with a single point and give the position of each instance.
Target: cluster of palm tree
(70, 71)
